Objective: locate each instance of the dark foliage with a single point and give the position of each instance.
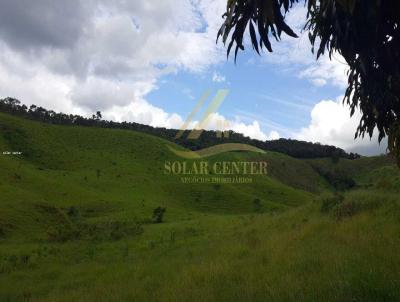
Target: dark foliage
(346, 209)
(365, 33)
(330, 202)
(266, 16)
(158, 214)
(257, 205)
(294, 148)
(339, 207)
(336, 178)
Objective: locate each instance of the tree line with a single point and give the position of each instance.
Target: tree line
(291, 147)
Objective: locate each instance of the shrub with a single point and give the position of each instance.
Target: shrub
(62, 233)
(73, 212)
(346, 209)
(190, 231)
(354, 203)
(110, 230)
(336, 178)
(330, 202)
(384, 184)
(257, 205)
(24, 259)
(158, 214)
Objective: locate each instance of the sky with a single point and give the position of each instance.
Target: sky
(150, 62)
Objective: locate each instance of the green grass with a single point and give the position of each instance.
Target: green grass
(378, 172)
(75, 224)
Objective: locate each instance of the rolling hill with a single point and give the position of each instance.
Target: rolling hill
(76, 223)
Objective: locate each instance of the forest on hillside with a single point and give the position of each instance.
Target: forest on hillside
(291, 147)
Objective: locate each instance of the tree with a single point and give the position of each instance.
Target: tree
(365, 33)
(98, 115)
(257, 205)
(158, 214)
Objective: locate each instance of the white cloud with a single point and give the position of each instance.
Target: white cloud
(251, 129)
(61, 92)
(331, 124)
(330, 120)
(295, 55)
(218, 78)
(326, 71)
(189, 93)
(112, 54)
(33, 83)
(141, 111)
(108, 56)
(107, 92)
(319, 82)
(273, 135)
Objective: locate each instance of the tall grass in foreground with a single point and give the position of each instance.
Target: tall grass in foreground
(304, 254)
(77, 223)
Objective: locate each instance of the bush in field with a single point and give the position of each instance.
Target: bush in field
(384, 184)
(354, 202)
(62, 233)
(340, 207)
(257, 205)
(336, 178)
(346, 209)
(73, 212)
(331, 202)
(158, 214)
(108, 230)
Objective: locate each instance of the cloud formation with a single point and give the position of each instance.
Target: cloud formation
(331, 124)
(87, 55)
(296, 56)
(218, 78)
(253, 129)
(80, 56)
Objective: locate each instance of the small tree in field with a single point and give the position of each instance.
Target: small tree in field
(158, 214)
(257, 205)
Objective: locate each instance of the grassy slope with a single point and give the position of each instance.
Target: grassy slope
(378, 172)
(212, 247)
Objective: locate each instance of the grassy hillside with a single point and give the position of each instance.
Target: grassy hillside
(76, 209)
(378, 172)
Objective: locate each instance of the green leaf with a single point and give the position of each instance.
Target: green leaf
(253, 37)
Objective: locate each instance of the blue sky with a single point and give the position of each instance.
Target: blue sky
(150, 61)
(278, 99)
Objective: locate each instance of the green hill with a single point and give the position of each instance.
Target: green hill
(294, 148)
(76, 223)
